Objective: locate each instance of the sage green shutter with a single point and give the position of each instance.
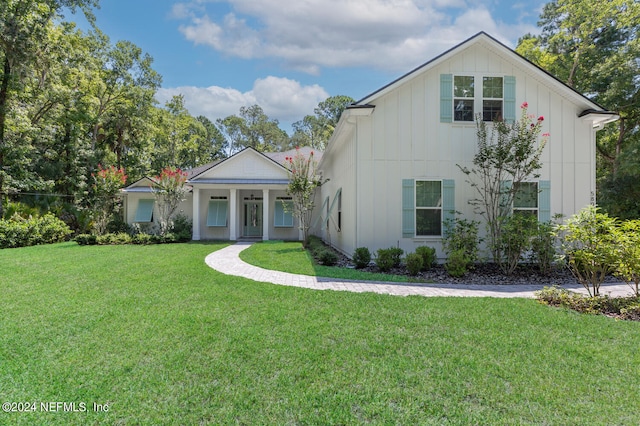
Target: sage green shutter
(509, 106)
(446, 98)
(544, 201)
(448, 200)
(408, 209)
(217, 214)
(145, 211)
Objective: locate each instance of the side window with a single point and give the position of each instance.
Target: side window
(463, 98)
(492, 98)
(428, 208)
(525, 200)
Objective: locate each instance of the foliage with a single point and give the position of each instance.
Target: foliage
(589, 244)
(508, 153)
(457, 264)
(515, 240)
(361, 257)
(303, 182)
(316, 130)
(327, 257)
(461, 234)
(19, 232)
(628, 254)
(182, 227)
(170, 190)
(627, 308)
(105, 203)
(593, 47)
(388, 258)
(252, 128)
(543, 247)
(414, 263)
(428, 255)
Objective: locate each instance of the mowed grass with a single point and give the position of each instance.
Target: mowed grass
(289, 256)
(162, 339)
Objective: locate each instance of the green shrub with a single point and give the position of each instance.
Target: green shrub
(114, 239)
(86, 239)
(19, 232)
(622, 307)
(182, 228)
(628, 254)
(543, 249)
(361, 257)
(461, 234)
(388, 258)
(327, 257)
(142, 238)
(428, 255)
(457, 264)
(590, 241)
(415, 263)
(514, 240)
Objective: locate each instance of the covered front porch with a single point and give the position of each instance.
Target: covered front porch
(249, 211)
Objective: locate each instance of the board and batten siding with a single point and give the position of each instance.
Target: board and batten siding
(405, 138)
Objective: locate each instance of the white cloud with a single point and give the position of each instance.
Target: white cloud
(281, 98)
(307, 35)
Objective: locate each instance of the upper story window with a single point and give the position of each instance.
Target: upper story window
(492, 96)
(463, 97)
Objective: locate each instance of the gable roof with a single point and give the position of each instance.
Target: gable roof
(487, 40)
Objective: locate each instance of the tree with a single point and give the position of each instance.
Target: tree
(316, 130)
(594, 47)
(106, 184)
(303, 182)
(23, 27)
(169, 190)
(252, 128)
(507, 155)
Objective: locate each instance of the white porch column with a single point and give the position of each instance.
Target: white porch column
(233, 214)
(265, 214)
(196, 213)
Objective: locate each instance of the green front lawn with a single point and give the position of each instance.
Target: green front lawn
(162, 339)
(289, 256)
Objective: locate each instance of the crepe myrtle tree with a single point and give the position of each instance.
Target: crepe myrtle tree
(508, 152)
(170, 190)
(303, 182)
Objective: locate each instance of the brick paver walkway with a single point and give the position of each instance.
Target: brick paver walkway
(228, 262)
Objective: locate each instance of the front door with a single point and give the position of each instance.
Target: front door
(252, 219)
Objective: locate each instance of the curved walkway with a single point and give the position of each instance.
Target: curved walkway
(228, 262)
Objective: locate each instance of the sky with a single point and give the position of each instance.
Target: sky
(289, 55)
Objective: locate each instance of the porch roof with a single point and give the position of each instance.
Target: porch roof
(237, 181)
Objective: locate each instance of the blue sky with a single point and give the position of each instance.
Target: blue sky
(288, 55)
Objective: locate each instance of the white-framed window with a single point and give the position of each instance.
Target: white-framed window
(492, 98)
(283, 213)
(477, 93)
(217, 213)
(428, 207)
(463, 98)
(525, 200)
(144, 213)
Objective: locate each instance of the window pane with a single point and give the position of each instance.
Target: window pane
(463, 110)
(463, 87)
(492, 87)
(491, 110)
(428, 194)
(428, 222)
(526, 195)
